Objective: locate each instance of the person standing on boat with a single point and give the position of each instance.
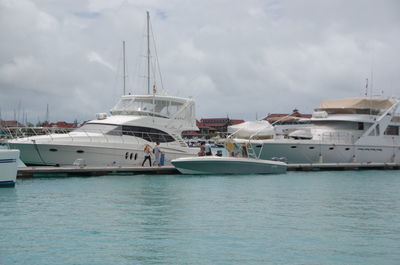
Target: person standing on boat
(202, 149)
(157, 154)
(147, 154)
(208, 149)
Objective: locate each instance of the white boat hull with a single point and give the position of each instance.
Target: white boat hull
(8, 167)
(95, 155)
(315, 152)
(227, 165)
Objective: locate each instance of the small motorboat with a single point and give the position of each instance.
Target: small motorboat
(227, 165)
(8, 167)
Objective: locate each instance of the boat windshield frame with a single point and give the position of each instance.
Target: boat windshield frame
(148, 105)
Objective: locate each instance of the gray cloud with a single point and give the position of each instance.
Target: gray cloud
(236, 58)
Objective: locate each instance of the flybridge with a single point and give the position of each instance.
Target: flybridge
(155, 105)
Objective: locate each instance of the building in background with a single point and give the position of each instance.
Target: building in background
(10, 123)
(286, 119)
(285, 123)
(62, 125)
(210, 127)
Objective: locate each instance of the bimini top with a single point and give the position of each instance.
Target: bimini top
(362, 105)
(252, 129)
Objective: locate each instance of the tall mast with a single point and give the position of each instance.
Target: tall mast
(148, 53)
(47, 114)
(123, 55)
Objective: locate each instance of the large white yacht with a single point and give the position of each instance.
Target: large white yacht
(118, 139)
(344, 130)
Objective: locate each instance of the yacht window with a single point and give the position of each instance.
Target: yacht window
(123, 103)
(80, 151)
(149, 134)
(53, 150)
(331, 148)
(347, 149)
(293, 146)
(97, 128)
(392, 130)
(361, 126)
(311, 147)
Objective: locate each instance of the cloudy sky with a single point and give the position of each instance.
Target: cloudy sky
(243, 59)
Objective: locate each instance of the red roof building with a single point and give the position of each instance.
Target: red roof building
(220, 124)
(10, 124)
(294, 117)
(62, 124)
(211, 125)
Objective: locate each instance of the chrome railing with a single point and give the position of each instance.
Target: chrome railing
(117, 136)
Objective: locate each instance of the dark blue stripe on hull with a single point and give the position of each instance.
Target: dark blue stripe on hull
(7, 184)
(8, 160)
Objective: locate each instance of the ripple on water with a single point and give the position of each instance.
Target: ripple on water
(297, 218)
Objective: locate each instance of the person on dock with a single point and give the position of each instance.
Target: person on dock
(202, 149)
(147, 154)
(157, 154)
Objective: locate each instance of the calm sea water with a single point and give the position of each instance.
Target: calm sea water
(350, 217)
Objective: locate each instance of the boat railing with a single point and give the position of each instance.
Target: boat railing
(22, 132)
(91, 135)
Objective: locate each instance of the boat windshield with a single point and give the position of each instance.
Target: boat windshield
(147, 133)
(97, 128)
(148, 106)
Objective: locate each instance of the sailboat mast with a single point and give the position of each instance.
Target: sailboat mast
(148, 53)
(124, 64)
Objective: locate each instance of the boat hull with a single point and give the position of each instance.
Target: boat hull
(227, 165)
(95, 155)
(313, 152)
(8, 167)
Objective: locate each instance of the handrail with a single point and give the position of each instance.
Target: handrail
(124, 136)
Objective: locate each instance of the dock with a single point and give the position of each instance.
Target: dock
(43, 171)
(343, 166)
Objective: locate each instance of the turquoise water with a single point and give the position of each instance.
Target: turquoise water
(299, 218)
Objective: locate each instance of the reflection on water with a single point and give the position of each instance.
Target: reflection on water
(297, 218)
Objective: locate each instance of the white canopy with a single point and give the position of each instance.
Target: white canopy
(256, 129)
(357, 103)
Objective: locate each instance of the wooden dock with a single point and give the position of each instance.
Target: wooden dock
(43, 171)
(343, 166)
(46, 171)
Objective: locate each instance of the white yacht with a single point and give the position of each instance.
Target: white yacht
(206, 165)
(118, 139)
(8, 167)
(344, 130)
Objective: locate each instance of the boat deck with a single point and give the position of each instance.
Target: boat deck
(43, 171)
